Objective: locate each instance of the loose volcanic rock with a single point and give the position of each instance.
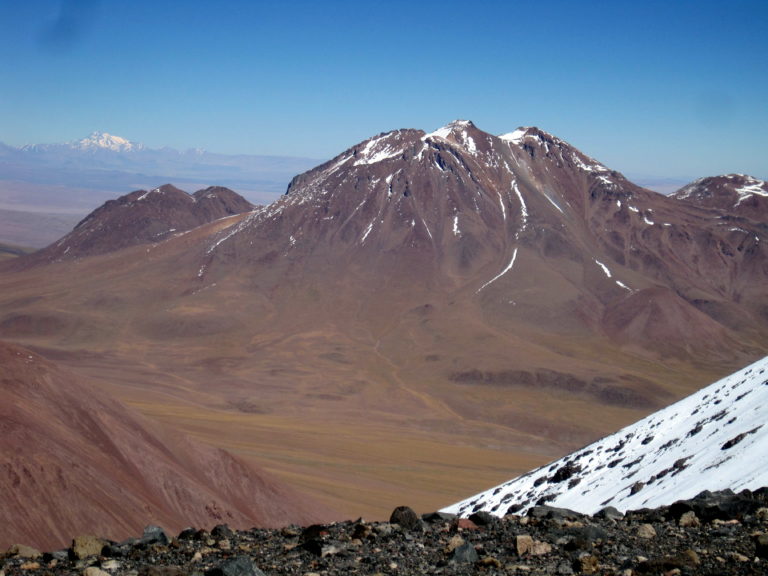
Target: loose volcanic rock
(543, 546)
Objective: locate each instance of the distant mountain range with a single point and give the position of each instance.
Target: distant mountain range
(46, 188)
(85, 173)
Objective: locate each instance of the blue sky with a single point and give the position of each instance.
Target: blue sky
(673, 89)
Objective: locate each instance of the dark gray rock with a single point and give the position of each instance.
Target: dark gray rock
(465, 554)
(153, 535)
(221, 531)
(483, 518)
(609, 513)
(554, 513)
(433, 517)
(240, 566)
(406, 518)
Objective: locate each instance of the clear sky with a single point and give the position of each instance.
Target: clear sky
(671, 88)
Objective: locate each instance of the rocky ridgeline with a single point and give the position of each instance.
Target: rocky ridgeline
(714, 533)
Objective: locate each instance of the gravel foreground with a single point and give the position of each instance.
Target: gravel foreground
(714, 533)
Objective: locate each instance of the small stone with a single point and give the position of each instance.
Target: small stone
(224, 545)
(646, 531)
(436, 517)
(240, 566)
(465, 554)
(523, 544)
(689, 519)
(94, 571)
(483, 518)
(540, 548)
(685, 559)
(154, 535)
(762, 514)
(110, 565)
(161, 571)
(609, 513)
(85, 546)
(197, 557)
(692, 557)
(22, 551)
(362, 531)
(489, 562)
(465, 524)
(330, 550)
(30, 565)
(739, 557)
(222, 532)
(454, 543)
(761, 545)
(586, 564)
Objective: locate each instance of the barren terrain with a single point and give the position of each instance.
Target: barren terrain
(416, 320)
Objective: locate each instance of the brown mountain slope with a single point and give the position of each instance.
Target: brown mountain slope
(421, 303)
(458, 209)
(75, 461)
(142, 217)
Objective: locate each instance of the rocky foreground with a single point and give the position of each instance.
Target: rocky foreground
(714, 533)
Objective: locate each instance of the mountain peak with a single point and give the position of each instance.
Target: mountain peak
(452, 127)
(104, 141)
(739, 192)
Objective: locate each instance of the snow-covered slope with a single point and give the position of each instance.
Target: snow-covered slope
(712, 440)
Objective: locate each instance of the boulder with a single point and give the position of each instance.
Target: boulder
(87, 545)
(405, 517)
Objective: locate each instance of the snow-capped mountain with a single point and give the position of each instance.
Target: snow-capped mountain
(104, 141)
(469, 211)
(715, 439)
(96, 141)
(740, 194)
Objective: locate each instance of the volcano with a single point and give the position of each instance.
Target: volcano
(422, 300)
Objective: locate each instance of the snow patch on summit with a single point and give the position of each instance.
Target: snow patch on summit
(455, 132)
(379, 149)
(751, 186)
(516, 137)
